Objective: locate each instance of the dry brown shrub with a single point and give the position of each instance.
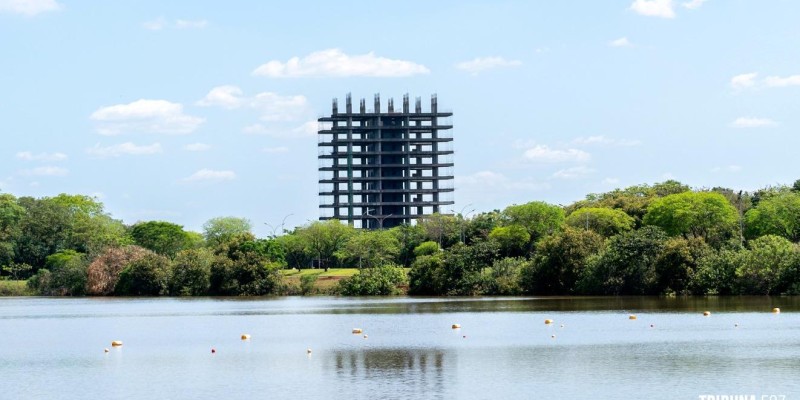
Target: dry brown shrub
(103, 272)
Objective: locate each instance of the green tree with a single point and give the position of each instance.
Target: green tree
(627, 266)
(505, 277)
(442, 229)
(424, 278)
(164, 238)
(428, 248)
(242, 268)
(560, 261)
(538, 218)
(220, 229)
(769, 260)
(295, 250)
(370, 248)
(633, 200)
(191, 272)
(45, 229)
(513, 239)
(775, 215)
(605, 221)
(324, 239)
(694, 214)
(11, 214)
(409, 237)
(716, 272)
(145, 276)
(677, 264)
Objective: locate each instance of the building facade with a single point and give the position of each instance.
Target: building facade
(383, 168)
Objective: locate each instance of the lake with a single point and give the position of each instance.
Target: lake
(53, 348)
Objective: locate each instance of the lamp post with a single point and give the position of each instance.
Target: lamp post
(275, 228)
(379, 219)
(462, 217)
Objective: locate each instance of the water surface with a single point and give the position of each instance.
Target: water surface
(52, 348)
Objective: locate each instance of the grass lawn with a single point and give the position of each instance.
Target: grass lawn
(14, 288)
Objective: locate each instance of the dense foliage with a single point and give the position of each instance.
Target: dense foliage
(664, 239)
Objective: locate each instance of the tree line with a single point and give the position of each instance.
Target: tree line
(660, 239)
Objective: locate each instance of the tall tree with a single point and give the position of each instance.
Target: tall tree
(219, 229)
(775, 215)
(694, 214)
(164, 238)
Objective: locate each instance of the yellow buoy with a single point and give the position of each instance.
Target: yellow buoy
(548, 321)
(631, 316)
(116, 343)
(776, 310)
(357, 331)
(245, 336)
(456, 326)
(706, 313)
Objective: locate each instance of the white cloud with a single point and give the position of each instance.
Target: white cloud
(162, 23)
(335, 63)
(29, 7)
(573, 172)
(653, 8)
(481, 64)
(606, 141)
(156, 24)
(210, 175)
(308, 129)
(48, 157)
(693, 4)
(197, 147)
(275, 150)
(225, 96)
(727, 168)
(153, 116)
(744, 81)
(751, 122)
(748, 81)
(45, 171)
(121, 149)
(621, 42)
(777, 81)
(543, 153)
(271, 106)
(189, 24)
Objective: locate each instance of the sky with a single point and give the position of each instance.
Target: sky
(186, 111)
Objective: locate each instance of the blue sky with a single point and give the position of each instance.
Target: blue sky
(184, 111)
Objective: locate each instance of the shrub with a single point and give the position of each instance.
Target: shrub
(145, 276)
(377, 281)
(191, 273)
(103, 272)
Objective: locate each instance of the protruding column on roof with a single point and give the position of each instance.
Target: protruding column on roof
(335, 106)
(377, 103)
(349, 104)
(434, 107)
(418, 105)
(405, 103)
(391, 105)
(363, 106)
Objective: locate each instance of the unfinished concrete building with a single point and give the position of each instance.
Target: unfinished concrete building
(383, 168)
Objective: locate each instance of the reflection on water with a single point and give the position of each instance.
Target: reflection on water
(417, 373)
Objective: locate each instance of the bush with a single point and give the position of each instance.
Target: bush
(191, 273)
(716, 272)
(65, 275)
(426, 249)
(560, 262)
(770, 260)
(377, 281)
(103, 272)
(145, 276)
(505, 277)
